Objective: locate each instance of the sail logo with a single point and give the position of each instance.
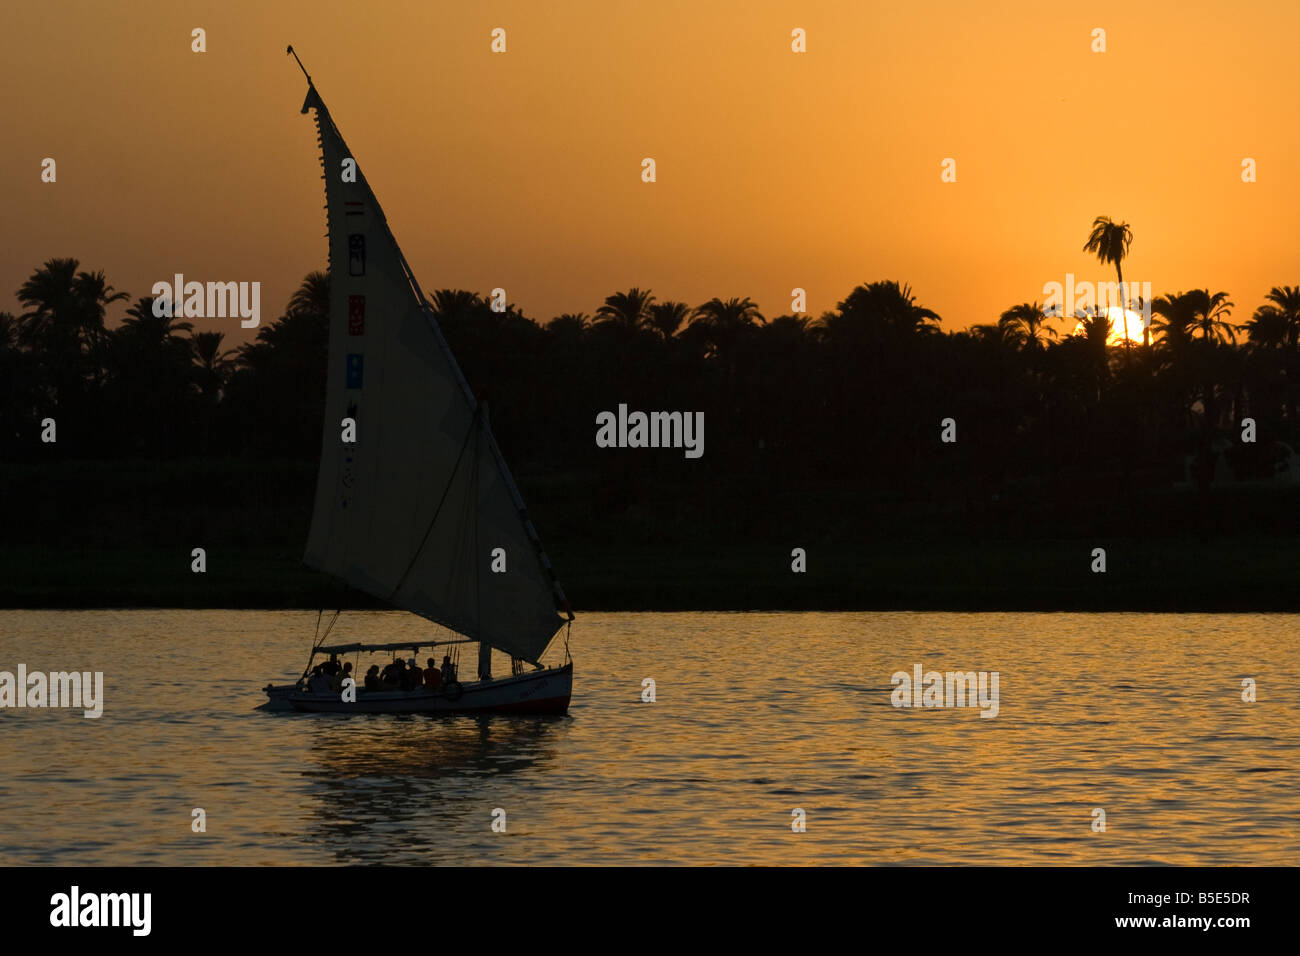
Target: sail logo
(356, 315)
(73, 909)
(651, 430)
(56, 689)
(950, 689)
(212, 300)
(355, 367)
(356, 254)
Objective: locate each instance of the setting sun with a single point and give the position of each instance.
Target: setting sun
(1124, 323)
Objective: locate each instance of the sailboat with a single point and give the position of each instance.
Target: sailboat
(414, 502)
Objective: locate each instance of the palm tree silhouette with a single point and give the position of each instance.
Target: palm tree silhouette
(1281, 311)
(881, 307)
(1109, 242)
(725, 321)
(1177, 314)
(1210, 316)
(1276, 326)
(64, 325)
(667, 318)
(1028, 324)
(626, 310)
(212, 364)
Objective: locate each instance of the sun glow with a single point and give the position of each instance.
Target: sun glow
(1124, 323)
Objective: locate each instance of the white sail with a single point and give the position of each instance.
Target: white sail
(415, 510)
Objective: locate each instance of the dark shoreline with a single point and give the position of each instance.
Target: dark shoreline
(83, 534)
(1234, 577)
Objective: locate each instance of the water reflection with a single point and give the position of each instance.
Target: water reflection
(390, 789)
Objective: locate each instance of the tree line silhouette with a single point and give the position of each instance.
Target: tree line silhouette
(854, 396)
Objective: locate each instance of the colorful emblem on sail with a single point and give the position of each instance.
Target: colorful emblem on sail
(356, 315)
(356, 364)
(356, 254)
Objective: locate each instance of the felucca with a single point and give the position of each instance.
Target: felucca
(413, 509)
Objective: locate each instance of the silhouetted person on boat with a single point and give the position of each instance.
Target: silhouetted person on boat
(411, 676)
(392, 674)
(448, 669)
(320, 681)
(372, 678)
(340, 676)
(331, 666)
(433, 676)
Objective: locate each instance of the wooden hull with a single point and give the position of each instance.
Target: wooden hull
(537, 692)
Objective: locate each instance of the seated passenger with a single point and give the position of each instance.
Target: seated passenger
(448, 669)
(411, 676)
(432, 676)
(319, 683)
(372, 678)
(336, 684)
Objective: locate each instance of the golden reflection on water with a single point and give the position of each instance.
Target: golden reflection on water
(756, 715)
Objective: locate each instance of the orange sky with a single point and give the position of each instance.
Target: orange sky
(775, 169)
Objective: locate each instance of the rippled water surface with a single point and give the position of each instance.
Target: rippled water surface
(756, 715)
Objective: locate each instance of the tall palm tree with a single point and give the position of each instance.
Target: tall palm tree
(1028, 324)
(1109, 242)
(626, 310)
(667, 318)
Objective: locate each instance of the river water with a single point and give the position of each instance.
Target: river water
(755, 717)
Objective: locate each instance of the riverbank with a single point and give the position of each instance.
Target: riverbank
(121, 534)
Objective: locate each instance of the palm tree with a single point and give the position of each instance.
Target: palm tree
(881, 308)
(1028, 325)
(1282, 312)
(1276, 326)
(1267, 328)
(453, 303)
(312, 295)
(626, 310)
(64, 323)
(1176, 315)
(146, 330)
(724, 321)
(1210, 316)
(1109, 242)
(667, 317)
(212, 365)
(728, 314)
(572, 324)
